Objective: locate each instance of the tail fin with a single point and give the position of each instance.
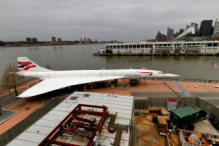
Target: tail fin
(25, 64)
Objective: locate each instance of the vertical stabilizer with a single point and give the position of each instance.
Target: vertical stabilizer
(25, 64)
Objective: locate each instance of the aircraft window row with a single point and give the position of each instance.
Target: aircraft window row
(70, 74)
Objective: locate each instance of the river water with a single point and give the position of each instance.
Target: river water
(78, 57)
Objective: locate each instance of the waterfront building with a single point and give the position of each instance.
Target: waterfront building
(160, 37)
(216, 27)
(53, 39)
(28, 40)
(170, 31)
(34, 40)
(206, 28)
(59, 40)
(163, 47)
(88, 40)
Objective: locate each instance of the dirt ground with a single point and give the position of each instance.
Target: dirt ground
(147, 132)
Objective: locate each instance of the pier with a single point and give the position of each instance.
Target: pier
(189, 48)
(155, 54)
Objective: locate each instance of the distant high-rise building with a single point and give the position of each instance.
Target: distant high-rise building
(53, 39)
(176, 34)
(95, 40)
(181, 31)
(88, 40)
(28, 40)
(59, 40)
(195, 25)
(170, 32)
(160, 37)
(80, 41)
(187, 26)
(85, 40)
(34, 40)
(216, 27)
(206, 28)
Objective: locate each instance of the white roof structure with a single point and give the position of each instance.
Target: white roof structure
(120, 104)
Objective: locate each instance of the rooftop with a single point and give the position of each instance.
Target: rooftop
(120, 104)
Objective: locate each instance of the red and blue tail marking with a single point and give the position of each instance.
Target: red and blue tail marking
(24, 66)
(149, 73)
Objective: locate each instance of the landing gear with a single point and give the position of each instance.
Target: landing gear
(124, 86)
(124, 83)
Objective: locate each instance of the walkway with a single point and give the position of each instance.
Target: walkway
(183, 89)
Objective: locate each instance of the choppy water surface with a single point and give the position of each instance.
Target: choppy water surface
(77, 56)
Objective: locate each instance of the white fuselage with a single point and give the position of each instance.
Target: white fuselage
(127, 73)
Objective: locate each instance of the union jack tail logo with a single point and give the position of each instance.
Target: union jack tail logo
(24, 66)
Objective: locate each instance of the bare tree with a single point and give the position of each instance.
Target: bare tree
(10, 80)
(48, 66)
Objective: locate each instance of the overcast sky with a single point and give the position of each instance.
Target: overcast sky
(124, 20)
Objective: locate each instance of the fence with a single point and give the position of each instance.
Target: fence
(208, 108)
(9, 135)
(144, 104)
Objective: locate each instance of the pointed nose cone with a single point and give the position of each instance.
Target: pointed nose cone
(173, 75)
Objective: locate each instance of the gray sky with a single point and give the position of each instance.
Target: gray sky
(124, 20)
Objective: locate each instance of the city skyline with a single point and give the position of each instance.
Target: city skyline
(103, 20)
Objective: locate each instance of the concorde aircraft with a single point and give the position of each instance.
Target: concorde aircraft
(53, 80)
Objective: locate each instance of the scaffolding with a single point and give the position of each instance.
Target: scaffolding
(73, 125)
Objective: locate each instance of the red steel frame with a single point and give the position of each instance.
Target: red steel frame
(73, 115)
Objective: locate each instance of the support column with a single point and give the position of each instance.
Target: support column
(217, 48)
(153, 47)
(84, 88)
(211, 48)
